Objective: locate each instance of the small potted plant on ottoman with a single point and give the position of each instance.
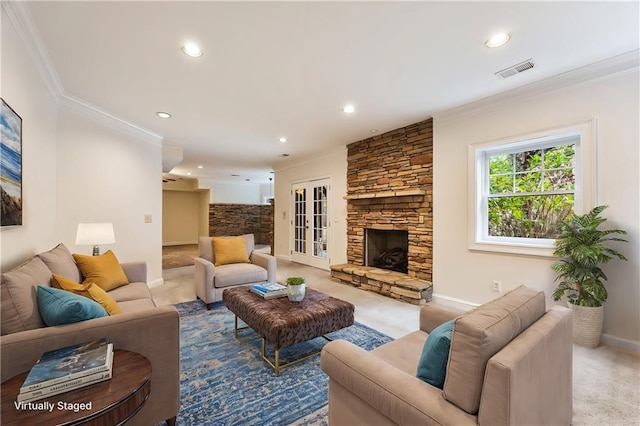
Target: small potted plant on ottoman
(296, 288)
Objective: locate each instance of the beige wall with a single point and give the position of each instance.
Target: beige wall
(105, 175)
(184, 216)
(77, 168)
(24, 90)
(462, 274)
(333, 165)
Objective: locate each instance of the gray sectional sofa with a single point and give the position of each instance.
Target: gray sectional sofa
(142, 327)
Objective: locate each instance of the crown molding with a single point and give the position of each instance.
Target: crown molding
(616, 65)
(101, 116)
(20, 17)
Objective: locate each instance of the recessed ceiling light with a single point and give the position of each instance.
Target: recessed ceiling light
(189, 173)
(498, 40)
(247, 179)
(283, 139)
(192, 49)
(348, 109)
(163, 114)
(285, 155)
(374, 130)
(201, 167)
(235, 175)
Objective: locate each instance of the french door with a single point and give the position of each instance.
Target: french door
(310, 222)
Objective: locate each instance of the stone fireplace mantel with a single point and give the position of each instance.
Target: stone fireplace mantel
(386, 194)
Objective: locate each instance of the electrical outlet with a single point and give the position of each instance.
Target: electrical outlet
(147, 218)
(497, 285)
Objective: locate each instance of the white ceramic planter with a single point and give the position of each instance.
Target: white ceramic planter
(296, 292)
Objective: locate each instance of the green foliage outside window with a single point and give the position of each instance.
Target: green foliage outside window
(530, 192)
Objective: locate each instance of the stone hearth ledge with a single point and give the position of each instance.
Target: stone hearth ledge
(388, 283)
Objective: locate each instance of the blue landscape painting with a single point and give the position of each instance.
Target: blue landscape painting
(10, 166)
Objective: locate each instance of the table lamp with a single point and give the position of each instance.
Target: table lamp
(93, 234)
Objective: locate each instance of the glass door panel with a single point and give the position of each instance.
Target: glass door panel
(310, 223)
(320, 222)
(300, 220)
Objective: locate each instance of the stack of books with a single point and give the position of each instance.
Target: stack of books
(269, 290)
(68, 368)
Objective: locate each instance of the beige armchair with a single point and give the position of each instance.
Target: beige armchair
(211, 280)
(510, 363)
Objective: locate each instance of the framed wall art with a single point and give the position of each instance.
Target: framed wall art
(10, 166)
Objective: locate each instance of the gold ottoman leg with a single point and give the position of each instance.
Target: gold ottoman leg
(236, 328)
(276, 366)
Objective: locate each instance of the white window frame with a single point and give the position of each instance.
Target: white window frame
(585, 187)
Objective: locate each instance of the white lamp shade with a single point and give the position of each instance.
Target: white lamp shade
(95, 233)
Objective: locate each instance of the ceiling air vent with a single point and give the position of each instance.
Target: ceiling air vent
(516, 69)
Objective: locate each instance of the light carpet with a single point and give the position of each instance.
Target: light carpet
(178, 256)
(224, 381)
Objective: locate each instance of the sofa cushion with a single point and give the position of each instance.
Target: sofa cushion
(104, 270)
(432, 366)
(136, 305)
(60, 261)
(59, 307)
(229, 250)
(90, 290)
(480, 334)
(238, 273)
(132, 291)
(19, 303)
(403, 352)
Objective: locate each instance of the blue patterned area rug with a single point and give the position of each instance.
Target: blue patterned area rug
(224, 381)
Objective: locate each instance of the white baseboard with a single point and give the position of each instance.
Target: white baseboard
(179, 243)
(283, 257)
(618, 342)
(453, 302)
(155, 283)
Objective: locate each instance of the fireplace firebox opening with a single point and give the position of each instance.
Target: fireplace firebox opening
(387, 249)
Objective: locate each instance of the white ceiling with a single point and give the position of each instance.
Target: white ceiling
(272, 69)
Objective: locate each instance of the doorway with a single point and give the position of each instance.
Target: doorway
(310, 222)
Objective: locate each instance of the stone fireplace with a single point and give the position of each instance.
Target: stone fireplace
(387, 249)
(389, 188)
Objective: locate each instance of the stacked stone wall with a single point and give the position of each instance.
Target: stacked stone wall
(238, 219)
(390, 186)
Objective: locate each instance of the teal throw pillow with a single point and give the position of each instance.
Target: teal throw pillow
(59, 307)
(432, 366)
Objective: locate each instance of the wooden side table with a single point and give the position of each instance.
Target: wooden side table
(112, 402)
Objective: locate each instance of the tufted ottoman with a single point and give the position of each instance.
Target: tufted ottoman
(282, 323)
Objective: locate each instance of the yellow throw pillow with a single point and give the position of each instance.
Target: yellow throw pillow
(64, 283)
(89, 290)
(229, 250)
(103, 298)
(104, 270)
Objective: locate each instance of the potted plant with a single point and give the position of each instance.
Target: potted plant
(582, 247)
(296, 289)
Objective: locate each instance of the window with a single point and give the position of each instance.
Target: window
(522, 187)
